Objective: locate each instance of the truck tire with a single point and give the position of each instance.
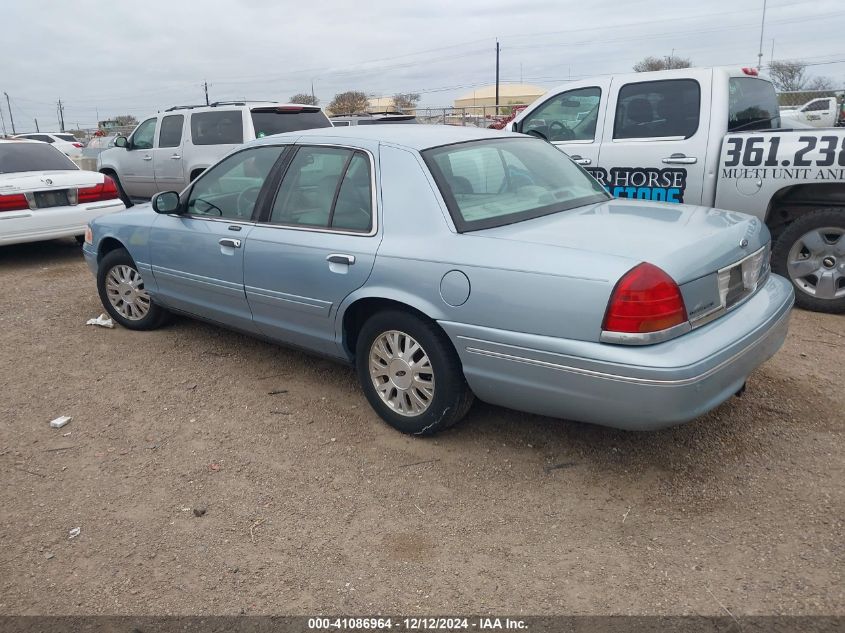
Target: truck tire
(810, 252)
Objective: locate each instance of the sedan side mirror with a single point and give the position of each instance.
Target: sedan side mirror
(121, 141)
(166, 202)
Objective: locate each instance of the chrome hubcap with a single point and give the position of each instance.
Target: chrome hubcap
(401, 373)
(126, 294)
(816, 263)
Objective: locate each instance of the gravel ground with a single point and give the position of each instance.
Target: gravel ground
(312, 504)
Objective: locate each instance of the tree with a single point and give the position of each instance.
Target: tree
(788, 76)
(649, 64)
(349, 102)
(125, 120)
(406, 101)
(305, 99)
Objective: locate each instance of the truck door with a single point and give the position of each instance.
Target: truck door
(572, 120)
(655, 138)
(820, 112)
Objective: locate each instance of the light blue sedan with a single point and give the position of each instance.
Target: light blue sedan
(450, 263)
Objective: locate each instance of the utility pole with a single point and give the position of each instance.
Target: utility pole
(205, 87)
(3, 120)
(36, 126)
(497, 77)
(312, 90)
(762, 26)
(61, 111)
(11, 116)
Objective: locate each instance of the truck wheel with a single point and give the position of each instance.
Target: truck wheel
(810, 252)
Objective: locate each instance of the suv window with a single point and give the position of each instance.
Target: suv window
(570, 116)
(170, 134)
(142, 137)
(341, 123)
(268, 121)
(753, 104)
(40, 137)
(653, 109)
(230, 189)
(326, 187)
(224, 127)
(70, 138)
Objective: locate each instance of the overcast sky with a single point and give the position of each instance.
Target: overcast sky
(118, 57)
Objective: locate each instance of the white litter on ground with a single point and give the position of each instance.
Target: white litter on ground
(103, 321)
(74, 532)
(60, 422)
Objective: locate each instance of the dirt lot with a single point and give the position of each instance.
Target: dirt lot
(315, 505)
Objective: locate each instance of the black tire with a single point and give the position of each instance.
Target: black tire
(80, 239)
(803, 224)
(452, 396)
(127, 201)
(155, 317)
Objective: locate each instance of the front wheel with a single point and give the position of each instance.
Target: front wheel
(411, 374)
(810, 252)
(123, 294)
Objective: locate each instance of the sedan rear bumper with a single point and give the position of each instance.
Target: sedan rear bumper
(17, 227)
(636, 388)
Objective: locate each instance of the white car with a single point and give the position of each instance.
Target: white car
(65, 143)
(44, 195)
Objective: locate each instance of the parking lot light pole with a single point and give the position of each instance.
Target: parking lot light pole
(762, 26)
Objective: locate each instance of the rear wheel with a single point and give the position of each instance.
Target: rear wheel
(123, 197)
(123, 294)
(810, 252)
(411, 374)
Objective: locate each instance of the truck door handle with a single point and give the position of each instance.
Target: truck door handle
(175, 157)
(228, 241)
(148, 157)
(339, 258)
(680, 159)
(579, 160)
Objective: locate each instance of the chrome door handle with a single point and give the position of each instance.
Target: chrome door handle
(680, 159)
(175, 157)
(228, 241)
(339, 258)
(148, 157)
(578, 160)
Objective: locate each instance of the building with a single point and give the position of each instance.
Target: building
(509, 94)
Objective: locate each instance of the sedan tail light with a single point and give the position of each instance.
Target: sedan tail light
(645, 300)
(13, 202)
(106, 190)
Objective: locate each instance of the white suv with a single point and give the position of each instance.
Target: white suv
(167, 151)
(65, 143)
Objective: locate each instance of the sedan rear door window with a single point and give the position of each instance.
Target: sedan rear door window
(326, 187)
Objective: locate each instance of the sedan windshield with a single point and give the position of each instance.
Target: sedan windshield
(495, 182)
(15, 157)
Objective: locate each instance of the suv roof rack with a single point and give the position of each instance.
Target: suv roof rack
(239, 103)
(183, 107)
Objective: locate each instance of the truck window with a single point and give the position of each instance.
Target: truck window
(569, 116)
(816, 106)
(655, 109)
(753, 104)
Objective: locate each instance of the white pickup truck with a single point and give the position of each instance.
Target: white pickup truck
(821, 112)
(712, 137)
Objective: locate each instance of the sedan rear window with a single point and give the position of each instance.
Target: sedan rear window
(16, 157)
(492, 183)
(269, 121)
